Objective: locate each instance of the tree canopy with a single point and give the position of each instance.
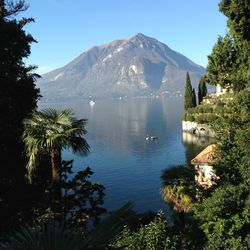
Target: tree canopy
(18, 97)
(224, 216)
(229, 62)
(49, 132)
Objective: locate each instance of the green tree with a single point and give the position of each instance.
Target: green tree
(18, 97)
(188, 97)
(156, 235)
(224, 218)
(194, 104)
(222, 64)
(238, 13)
(81, 199)
(202, 89)
(225, 215)
(234, 61)
(238, 20)
(50, 131)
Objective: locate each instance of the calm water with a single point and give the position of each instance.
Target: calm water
(123, 161)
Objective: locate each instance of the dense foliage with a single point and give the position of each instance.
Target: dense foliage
(18, 96)
(222, 62)
(81, 201)
(52, 235)
(228, 226)
(202, 89)
(189, 97)
(229, 63)
(48, 132)
(224, 216)
(155, 236)
(194, 102)
(21, 201)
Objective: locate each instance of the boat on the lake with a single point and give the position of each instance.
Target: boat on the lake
(151, 137)
(91, 103)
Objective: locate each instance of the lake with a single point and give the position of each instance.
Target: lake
(129, 166)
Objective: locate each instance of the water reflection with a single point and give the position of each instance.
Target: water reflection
(130, 122)
(183, 175)
(123, 124)
(123, 161)
(195, 144)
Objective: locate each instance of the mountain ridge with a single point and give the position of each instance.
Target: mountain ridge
(137, 66)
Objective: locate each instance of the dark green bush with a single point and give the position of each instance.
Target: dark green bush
(154, 236)
(206, 118)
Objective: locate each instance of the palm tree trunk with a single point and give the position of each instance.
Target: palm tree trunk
(56, 179)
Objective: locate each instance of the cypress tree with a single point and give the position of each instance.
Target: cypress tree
(188, 99)
(194, 104)
(202, 89)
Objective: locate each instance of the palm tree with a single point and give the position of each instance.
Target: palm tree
(50, 131)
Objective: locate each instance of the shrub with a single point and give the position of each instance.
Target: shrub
(153, 236)
(206, 118)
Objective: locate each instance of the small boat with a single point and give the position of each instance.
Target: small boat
(151, 137)
(91, 103)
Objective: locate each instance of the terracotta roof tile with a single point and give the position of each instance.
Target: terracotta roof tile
(205, 156)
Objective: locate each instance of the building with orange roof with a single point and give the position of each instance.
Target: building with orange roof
(205, 174)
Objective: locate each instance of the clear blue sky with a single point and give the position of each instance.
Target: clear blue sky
(64, 29)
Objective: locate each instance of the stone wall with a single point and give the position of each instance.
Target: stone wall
(197, 129)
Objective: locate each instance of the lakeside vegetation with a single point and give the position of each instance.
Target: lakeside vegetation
(43, 207)
(210, 109)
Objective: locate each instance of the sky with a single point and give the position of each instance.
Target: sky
(64, 29)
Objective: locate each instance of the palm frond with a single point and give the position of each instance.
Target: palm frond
(79, 145)
(51, 235)
(51, 129)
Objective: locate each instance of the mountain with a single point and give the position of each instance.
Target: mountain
(137, 66)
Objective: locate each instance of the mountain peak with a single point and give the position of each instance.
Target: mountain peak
(140, 65)
(143, 41)
(140, 36)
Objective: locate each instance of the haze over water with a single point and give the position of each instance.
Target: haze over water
(124, 162)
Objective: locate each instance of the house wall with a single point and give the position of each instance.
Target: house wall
(189, 126)
(205, 175)
(220, 90)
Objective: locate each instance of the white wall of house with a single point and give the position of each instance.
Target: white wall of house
(189, 126)
(205, 175)
(220, 90)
